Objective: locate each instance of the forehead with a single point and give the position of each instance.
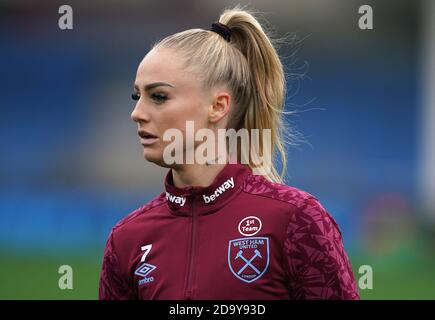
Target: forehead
(162, 65)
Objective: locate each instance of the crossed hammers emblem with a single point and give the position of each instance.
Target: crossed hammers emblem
(248, 262)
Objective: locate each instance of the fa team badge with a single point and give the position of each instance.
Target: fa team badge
(248, 258)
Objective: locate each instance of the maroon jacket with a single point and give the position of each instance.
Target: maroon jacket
(242, 237)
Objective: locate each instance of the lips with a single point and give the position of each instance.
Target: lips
(147, 138)
(146, 135)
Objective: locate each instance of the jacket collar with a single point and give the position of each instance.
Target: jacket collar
(194, 200)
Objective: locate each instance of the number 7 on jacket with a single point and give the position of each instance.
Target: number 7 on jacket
(146, 250)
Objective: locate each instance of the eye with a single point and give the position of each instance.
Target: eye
(158, 97)
(135, 96)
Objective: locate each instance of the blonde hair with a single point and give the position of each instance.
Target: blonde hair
(251, 69)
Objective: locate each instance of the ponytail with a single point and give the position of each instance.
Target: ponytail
(267, 83)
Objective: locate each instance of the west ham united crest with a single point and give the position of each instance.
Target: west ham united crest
(248, 258)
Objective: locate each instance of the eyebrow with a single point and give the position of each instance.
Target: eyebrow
(154, 85)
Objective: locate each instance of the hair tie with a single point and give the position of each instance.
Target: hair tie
(222, 30)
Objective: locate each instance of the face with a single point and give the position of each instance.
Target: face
(166, 97)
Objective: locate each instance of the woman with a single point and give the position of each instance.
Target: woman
(225, 229)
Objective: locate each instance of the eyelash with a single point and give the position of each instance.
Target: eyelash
(157, 97)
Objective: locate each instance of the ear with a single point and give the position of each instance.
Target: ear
(220, 106)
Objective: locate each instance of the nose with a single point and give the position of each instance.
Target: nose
(139, 114)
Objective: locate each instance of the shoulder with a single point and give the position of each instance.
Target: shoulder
(260, 186)
(146, 208)
(307, 211)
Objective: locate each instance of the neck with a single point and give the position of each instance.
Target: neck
(196, 175)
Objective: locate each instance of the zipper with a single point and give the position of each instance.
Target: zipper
(189, 290)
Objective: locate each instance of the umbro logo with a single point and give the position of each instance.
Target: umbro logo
(145, 268)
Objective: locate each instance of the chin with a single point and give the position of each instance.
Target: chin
(155, 157)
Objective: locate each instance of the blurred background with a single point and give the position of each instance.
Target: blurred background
(71, 165)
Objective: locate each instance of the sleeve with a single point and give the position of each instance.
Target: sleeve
(316, 263)
(112, 285)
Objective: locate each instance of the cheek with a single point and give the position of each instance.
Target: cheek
(177, 117)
